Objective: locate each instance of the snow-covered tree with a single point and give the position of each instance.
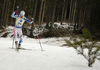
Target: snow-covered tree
(86, 47)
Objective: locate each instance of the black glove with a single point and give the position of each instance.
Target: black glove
(16, 8)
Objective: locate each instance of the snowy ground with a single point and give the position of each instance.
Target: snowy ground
(54, 56)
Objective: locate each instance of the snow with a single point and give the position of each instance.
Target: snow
(54, 56)
(64, 25)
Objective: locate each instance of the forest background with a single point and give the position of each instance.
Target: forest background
(80, 13)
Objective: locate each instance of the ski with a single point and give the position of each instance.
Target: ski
(17, 49)
(23, 49)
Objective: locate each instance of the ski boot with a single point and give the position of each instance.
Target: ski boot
(16, 44)
(19, 46)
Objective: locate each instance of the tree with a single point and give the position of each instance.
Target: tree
(53, 13)
(62, 16)
(44, 3)
(86, 43)
(41, 7)
(2, 17)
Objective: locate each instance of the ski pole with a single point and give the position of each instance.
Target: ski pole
(14, 28)
(38, 36)
(13, 38)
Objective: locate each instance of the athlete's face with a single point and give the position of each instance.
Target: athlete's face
(21, 16)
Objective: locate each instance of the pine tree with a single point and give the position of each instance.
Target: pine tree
(84, 43)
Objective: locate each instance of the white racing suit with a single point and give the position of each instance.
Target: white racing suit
(18, 26)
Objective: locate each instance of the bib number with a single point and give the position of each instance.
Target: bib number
(19, 22)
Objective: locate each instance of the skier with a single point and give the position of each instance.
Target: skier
(20, 19)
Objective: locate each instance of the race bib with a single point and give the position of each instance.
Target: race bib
(19, 22)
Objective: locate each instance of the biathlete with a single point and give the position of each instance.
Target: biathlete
(20, 19)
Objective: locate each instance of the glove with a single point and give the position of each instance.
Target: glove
(16, 9)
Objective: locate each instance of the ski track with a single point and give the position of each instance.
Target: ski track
(52, 58)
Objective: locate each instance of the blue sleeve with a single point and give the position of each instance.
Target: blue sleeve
(13, 15)
(28, 20)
